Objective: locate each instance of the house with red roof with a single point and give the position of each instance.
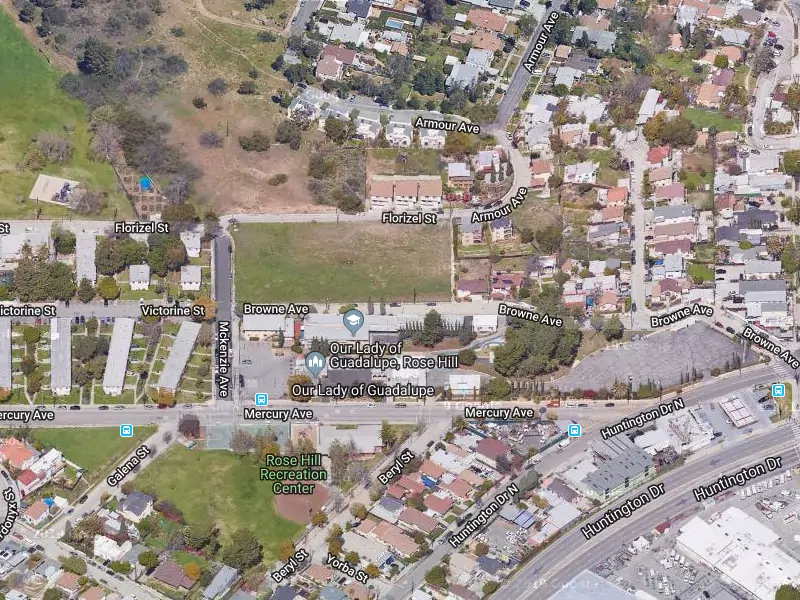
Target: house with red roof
(659, 156)
(414, 488)
(413, 519)
(488, 450)
(17, 454)
(441, 506)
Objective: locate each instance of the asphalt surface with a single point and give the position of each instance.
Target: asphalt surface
(520, 78)
(557, 564)
(307, 8)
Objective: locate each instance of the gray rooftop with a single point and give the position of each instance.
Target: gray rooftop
(588, 586)
(621, 460)
(139, 274)
(365, 437)
(60, 353)
(678, 211)
(5, 353)
(221, 582)
(136, 503)
(117, 363)
(179, 356)
(463, 75)
(85, 247)
(764, 285)
(604, 40)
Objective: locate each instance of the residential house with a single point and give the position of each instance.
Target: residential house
(69, 584)
(670, 267)
(413, 519)
(191, 277)
(585, 172)
(575, 134)
(381, 194)
(463, 76)
(136, 506)
(17, 454)
(61, 356)
(709, 95)
(36, 514)
(139, 277)
(47, 466)
(734, 37)
(172, 575)
(471, 233)
(607, 302)
(329, 68)
(505, 285)
(482, 59)
(441, 505)
(192, 241)
(486, 19)
(611, 214)
(724, 78)
(490, 451)
(603, 40)
(430, 193)
(762, 269)
(487, 161)
(583, 63)
(659, 156)
(431, 138)
(502, 229)
(471, 287)
(616, 196)
(94, 593)
(674, 231)
(221, 584)
(664, 215)
(682, 247)
(660, 177)
(108, 549)
(399, 135)
(651, 106)
(673, 193)
(405, 194)
(459, 175)
(751, 17)
(541, 170)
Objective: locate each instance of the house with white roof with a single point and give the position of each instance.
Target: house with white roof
(139, 277)
(191, 277)
(192, 241)
(585, 172)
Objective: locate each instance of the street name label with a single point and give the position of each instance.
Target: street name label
(726, 482)
(291, 566)
(529, 315)
(415, 218)
(662, 410)
(140, 227)
(5, 228)
(26, 310)
(296, 469)
(26, 416)
(406, 456)
(482, 518)
(624, 511)
(492, 215)
(442, 125)
(173, 310)
(223, 358)
(346, 568)
(515, 413)
(682, 313)
(751, 334)
(541, 42)
(12, 512)
(276, 309)
(277, 414)
(122, 471)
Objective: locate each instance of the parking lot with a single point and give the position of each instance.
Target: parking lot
(262, 370)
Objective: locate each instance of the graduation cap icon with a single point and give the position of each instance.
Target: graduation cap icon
(353, 320)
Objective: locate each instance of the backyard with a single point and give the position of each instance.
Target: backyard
(33, 103)
(706, 118)
(237, 499)
(350, 262)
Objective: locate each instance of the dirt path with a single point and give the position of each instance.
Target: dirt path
(200, 7)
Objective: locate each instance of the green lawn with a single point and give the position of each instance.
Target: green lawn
(341, 262)
(236, 499)
(677, 62)
(706, 118)
(31, 103)
(700, 273)
(100, 454)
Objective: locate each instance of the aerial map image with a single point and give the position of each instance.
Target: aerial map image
(399, 299)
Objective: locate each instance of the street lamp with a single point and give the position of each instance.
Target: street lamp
(630, 388)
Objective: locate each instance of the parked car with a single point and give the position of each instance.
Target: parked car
(730, 330)
(75, 407)
(767, 146)
(718, 324)
(104, 407)
(768, 407)
(764, 399)
(610, 405)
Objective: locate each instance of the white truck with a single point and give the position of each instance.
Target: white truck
(563, 443)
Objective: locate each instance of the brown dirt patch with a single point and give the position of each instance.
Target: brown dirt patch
(300, 508)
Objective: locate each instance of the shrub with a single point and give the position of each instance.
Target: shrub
(177, 32)
(199, 103)
(211, 139)
(247, 88)
(218, 86)
(278, 179)
(255, 142)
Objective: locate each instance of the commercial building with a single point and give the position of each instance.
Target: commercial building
(589, 586)
(60, 356)
(117, 363)
(742, 550)
(182, 349)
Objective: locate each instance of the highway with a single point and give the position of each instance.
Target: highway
(569, 555)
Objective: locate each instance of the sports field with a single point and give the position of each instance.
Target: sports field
(216, 486)
(341, 262)
(30, 103)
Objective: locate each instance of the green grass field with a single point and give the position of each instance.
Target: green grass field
(341, 262)
(236, 499)
(706, 118)
(31, 103)
(95, 449)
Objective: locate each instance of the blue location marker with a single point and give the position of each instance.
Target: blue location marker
(353, 320)
(315, 362)
(778, 390)
(126, 431)
(574, 430)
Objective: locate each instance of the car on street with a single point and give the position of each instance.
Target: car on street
(83, 499)
(730, 330)
(760, 386)
(778, 47)
(371, 405)
(776, 23)
(247, 361)
(609, 405)
(768, 407)
(104, 407)
(149, 406)
(767, 147)
(119, 407)
(74, 407)
(633, 307)
(754, 150)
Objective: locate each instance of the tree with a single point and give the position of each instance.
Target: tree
(597, 322)
(437, 576)
(257, 141)
(108, 288)
(193, 571)
(208, 307)
(51, 594)
(288, 132)
(467, 357)
(787, 592)
(199, 103)
(148, 559)
(774, 246)
(548, 239)
(352, 557)
(336, 130)
(763, 62)
(247, 88)
(432, 10)
(721, 61)
(489, 587)
(613, 328)
(372, 571)
(481, 549)
(211, 139)
(359, 511)
(97, 58)
(61, 281)
(86, 292)
(73, 564)
(388, 435)
(298, 380)
(31, 335)
(218, 87)
(286, 551)
(243, 551)
(432, 329)
(319, 519)
(241, 443)
(120, 566)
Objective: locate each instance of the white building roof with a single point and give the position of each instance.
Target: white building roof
(117, 363)
(182, 349)
(60, 353)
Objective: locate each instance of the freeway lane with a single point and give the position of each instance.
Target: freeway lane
(567, 556)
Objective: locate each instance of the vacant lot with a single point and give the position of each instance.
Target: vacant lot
(408, 161)
(31, 102)
(341, 262)
(104, 451)
(705, 118)
(237, 499)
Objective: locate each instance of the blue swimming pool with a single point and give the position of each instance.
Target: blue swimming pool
(394, 23)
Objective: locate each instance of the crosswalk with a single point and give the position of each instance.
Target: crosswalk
(784, 373)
